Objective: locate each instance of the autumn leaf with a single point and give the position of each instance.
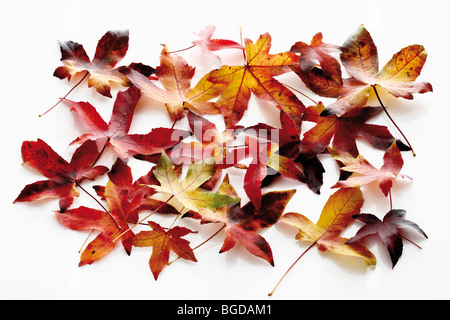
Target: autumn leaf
(342, 132)
(360, 59)
(389, 231)
(265, 156)
(210, 143)
(64, 178)
(111, 48)
(242, 223)
(336, 216)
(288, 139)
(175, 74)
(110, 228)
(128, 197)
(188, 192)
(318, 53)
(115, 133)
(208, 45)
(257, 76)
(162, 242)
(363, 172)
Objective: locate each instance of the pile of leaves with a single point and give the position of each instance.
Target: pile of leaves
(188, 175)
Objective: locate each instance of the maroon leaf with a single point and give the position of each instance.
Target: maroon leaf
(389, 230)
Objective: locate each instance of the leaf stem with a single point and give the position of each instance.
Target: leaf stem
(169, 52)
(244, 53)
(101, 152)
(61, 99)
(307, 249)
(96, 200)
(298, 91)
(390, 199)
(90, 233)
(392, 120)
(215, 234)
(140, 221)
(411, 242)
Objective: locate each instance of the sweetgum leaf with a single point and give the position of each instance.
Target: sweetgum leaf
(115, 133)
(111, 48)
(63, 177)
(162, 242)
(242, 223)
(389, 231)
(257, 76)
(188, 192)
(336, 216)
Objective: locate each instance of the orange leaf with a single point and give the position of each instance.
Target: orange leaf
(175, 74)
(163, 242)
(257, 76)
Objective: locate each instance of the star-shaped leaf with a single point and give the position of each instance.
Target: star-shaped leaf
(257, 76)
(111, 48)
(111, 229)
(188, 192)
(242, 223)
(318, 52)
(389, 230)
(63, 177)
(208, 45)
(162, 243)
(360, 59)
(336, 216)
(175, 74)
(115, 133)
(363, 172)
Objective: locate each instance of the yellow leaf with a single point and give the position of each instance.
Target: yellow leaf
(336, 216)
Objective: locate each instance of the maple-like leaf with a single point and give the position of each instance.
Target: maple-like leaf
(389, 231)
(363, 172)
(162, 242)
(188, 192)
(257, 76)
(64, 178)
(336, 216)
(320, 53)
(342, 132)
(210, 143)
(288, 139)
(208, 45)
(360, 59)
(265, 156)
(175, 74)
(111, 48)
(111, 229)
(115, 133)
(242, 223)
(128, 197)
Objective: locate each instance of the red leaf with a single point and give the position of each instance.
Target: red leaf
(83, 218)
(243, 222)
(115, 133)
(63, 177)
(163, 242)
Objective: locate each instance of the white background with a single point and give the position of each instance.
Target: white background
(39, 256)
